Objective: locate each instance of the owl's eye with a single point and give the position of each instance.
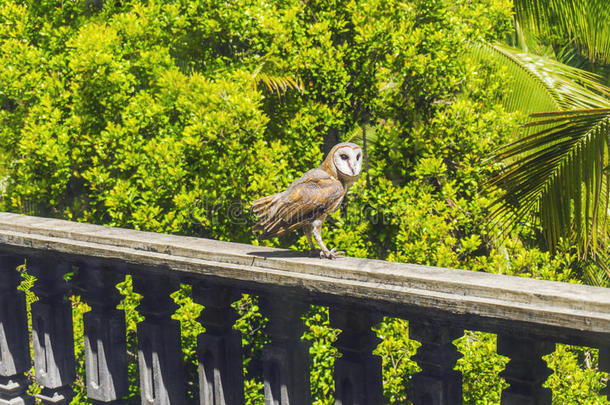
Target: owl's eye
(358, 156)
(344, 156)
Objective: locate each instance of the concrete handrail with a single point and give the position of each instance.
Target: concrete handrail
(528, 315)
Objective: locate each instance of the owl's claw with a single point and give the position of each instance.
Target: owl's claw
(331, 254)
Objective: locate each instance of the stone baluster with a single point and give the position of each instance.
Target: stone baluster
(159, 345)
(437, 383)
(358, 379)
(604, 365)
(53, 334)
(14, 347)
(286, 357)
(219, 353)
(104, 329)
(526, 371)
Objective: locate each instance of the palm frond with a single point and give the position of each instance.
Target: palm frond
(270, 73)
(557, 168)
(590, 269)
(363, 134)
(541, 84)
(279, 83)
(583, 21)
(560, 172)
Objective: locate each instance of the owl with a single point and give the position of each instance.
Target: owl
(308, 200)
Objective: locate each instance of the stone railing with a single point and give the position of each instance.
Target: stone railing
(529, 317)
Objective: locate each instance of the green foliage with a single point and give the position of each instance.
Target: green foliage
(396, 350)
(80, 386)
(480, 367)
(323, 354)
(164, 116)
(567, 163)
(575, 376)
(251, 324)
(188, 313)
(128, 304)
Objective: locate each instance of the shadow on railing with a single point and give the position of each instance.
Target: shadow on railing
(529, 317)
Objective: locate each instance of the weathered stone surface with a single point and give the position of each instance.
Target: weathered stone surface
(357, 372)
(505, 299)
(437, 383)
(526, 371)
(219, 348)
(52, 331)
(14, 348)
(13, 390)
(286, 357)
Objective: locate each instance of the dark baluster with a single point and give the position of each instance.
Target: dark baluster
(286, 357)
(604, 365)
(526, 371)
(52, 331)
(159, 345)
(219, 354)
(358, 371)
(14, 347)
(104, 329)
(437, 383)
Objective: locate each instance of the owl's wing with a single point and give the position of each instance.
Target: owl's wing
(305, 199)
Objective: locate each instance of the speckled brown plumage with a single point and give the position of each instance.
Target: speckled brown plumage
(309, 199)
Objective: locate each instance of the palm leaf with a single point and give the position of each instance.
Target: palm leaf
(557, 168)
(361, 134)
(561, 173)
(541, 84)
(583, 21)
(270, 73)
(590, 269)
(279, 83)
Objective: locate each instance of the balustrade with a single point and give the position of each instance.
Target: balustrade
(286, 357)
(14, 348)
(437, 383)
(529, 317)
(221, 381)
(52, 335)
(159, 346)
(104, 333)
(358, 371)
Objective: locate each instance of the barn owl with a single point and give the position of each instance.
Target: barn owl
(308, 200)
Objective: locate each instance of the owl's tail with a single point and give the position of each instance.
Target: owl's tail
(261, 208)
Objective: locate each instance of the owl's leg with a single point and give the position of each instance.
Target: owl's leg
(317, 234)
(308, 233)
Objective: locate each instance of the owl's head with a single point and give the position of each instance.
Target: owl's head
(347, 159)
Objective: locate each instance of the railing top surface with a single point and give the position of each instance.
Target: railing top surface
(571, 306)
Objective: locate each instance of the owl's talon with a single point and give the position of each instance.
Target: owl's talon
(334, 253)
(331, 254)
